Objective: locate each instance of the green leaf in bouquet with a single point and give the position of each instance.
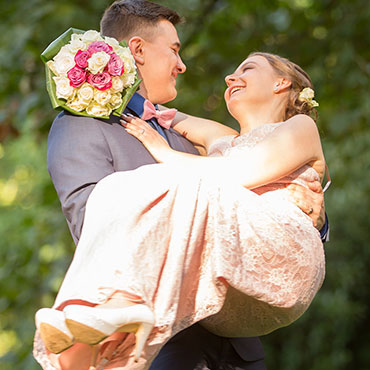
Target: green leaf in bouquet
(51, 88)
(52, 50)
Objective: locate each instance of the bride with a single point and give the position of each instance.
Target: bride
(211, 238)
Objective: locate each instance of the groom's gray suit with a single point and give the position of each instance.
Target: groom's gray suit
(82, 151)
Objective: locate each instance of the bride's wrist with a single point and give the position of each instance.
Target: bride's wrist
(167, 155)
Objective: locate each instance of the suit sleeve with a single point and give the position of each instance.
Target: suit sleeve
(78, 156)
(324, 232)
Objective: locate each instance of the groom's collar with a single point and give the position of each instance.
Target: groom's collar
(136, 104)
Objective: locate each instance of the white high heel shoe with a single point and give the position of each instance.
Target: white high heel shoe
(90, 325)
(53, 330)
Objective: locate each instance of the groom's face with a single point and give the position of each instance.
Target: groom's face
(162, 64)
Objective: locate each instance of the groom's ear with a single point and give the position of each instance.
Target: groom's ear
(137, 48)
(281, 85)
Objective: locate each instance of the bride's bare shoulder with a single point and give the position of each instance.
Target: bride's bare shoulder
(302, 119)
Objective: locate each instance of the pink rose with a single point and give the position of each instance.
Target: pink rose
(77, 76)
(81, 58)
(102, 81)
(96, 46)
(115, 65)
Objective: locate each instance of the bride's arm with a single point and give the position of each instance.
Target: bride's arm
(200, 131)
(289, 147)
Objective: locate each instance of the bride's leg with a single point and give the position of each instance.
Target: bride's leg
(78, 357)
(114, 261)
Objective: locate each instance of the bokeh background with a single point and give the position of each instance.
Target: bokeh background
(329, 38)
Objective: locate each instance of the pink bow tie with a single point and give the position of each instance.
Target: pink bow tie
(164, 118)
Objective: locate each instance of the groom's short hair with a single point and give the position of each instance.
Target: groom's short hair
(127, 18)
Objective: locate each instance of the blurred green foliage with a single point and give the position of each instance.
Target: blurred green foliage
(329, 38)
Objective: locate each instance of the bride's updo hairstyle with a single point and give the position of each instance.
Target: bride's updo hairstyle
(300, 80)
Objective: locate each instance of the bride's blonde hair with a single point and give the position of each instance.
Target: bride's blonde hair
(300, 80)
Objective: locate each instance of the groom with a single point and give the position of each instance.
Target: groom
(82, 151)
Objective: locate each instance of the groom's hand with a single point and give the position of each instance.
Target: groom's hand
(310, 201)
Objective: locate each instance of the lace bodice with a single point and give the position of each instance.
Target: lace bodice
(227, 145)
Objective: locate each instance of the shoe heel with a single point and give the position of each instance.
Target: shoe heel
(53, 330)
(94, 357)
(142, 335)
(84, 325)
(54, 339)
(84, 333)
(91, 325)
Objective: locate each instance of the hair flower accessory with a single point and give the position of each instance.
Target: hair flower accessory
(89, 74)
(307, 95)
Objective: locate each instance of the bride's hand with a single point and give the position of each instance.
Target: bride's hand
(150, 138)
(310, 201)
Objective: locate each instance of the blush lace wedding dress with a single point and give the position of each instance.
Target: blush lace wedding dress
(179, 240)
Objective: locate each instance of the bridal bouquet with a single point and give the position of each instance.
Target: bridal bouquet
(89, 74)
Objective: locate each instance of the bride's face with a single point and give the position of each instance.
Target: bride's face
(251, 85)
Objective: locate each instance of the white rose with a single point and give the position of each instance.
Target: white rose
(102, 97)
(130, 66)
(85, 93)
(124, 52)
(90, 36)
(75, 45)
(98, 61)
(115, 101)
(112, 42)
(306, 94)
(77, 104)
(128, 59)
(76, 36)
(63, 50)
(96, 109)
(63, 88)
(63, 62)
(128, 79)
(51, 66)
(117, 84)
